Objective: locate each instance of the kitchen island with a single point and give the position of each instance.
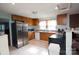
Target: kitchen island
(58, 39)
(43, 35)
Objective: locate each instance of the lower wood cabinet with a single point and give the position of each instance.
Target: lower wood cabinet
(42, 35)
(31, 35)
(45, 35)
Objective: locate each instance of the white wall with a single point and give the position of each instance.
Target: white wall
(68, 42)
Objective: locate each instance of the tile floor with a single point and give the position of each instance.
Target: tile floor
(35, 47)
(40, 43)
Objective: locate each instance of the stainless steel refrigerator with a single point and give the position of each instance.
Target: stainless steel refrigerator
(19, 34)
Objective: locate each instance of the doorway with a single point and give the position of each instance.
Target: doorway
(5, 23)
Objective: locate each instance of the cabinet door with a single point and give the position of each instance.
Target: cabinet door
(44, 36)
(61, 19)
(74, 20)
(31, 35)
(35, 21)
(30, 21)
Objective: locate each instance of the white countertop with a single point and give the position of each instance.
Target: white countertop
(4, 35)
(75, 31)
(4, 48)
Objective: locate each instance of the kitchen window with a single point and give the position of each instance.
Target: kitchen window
(47, 25)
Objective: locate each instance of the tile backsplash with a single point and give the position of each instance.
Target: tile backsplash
(62, 27)
(33, 27)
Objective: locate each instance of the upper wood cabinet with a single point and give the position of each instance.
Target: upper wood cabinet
(28, 20)
(74, 20)
(35, 21)
(16, 17)
(61, 19)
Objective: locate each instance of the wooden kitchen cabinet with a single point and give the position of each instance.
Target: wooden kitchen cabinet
(61, 19)
(45, 35)
(31, 35)
(33, 21)
(74, 21)
(22, 18)
(28, 20)
(18, 18)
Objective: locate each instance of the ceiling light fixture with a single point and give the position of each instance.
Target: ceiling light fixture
(34, 12)
(13, 3)
(56, 8)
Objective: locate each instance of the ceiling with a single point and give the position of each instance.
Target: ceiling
(36, 10)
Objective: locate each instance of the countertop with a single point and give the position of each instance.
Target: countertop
(46, 31)
(3, 35)
(76, 31)
(56, 36)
